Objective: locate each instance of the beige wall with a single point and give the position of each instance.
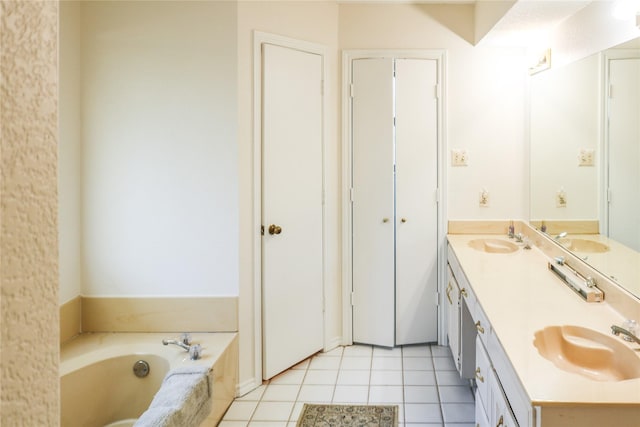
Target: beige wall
(28, 195)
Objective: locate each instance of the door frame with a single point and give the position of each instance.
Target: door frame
(348, 56)
(260, 38)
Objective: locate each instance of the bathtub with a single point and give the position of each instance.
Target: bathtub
(98, 386)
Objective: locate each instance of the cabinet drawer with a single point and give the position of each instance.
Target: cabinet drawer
(501, 415)
(483, 367)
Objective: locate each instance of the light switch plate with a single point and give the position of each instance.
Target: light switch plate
(586, 157)
(459, 157)
(484, 199)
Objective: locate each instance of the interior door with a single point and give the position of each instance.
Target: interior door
(416, 204)
(624, 151)
(292, 282)
(373, 202)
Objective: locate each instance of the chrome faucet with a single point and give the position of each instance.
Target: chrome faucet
(178, 343)
(194, 350)
(617, 330)
(560, 236)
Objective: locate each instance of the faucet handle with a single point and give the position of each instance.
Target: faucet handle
(185, 337)
(195, 351)
(631, 326)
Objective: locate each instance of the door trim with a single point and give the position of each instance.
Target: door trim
(260, 38)
(348, 56)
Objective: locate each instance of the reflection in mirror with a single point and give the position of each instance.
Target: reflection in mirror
(585, 159)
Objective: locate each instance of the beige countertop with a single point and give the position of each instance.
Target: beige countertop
(520, 296)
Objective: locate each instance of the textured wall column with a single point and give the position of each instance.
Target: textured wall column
(29, 347)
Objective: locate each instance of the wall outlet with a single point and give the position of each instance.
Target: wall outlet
(561, 199)
(484, 199)
(459, 157)
(586, 157)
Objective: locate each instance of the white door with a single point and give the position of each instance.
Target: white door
(416, 204)
(394, 210)
(292, 282)
(624, 151)
(373, 206)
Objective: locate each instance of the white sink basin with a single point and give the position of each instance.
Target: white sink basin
(588, 353)
(493, 246)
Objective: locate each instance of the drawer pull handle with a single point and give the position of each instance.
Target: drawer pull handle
(463, 292)
(479, 328)
(449, 293)
(479, 376)
(500, 421)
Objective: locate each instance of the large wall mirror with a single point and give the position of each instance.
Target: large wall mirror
(585, 160)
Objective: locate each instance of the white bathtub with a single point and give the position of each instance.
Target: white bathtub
(98, 387)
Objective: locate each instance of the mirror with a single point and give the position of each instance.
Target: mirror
(585, 160)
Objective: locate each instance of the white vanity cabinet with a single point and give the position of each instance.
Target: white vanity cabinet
(500, 399)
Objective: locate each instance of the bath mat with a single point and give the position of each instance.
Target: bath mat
(348, 415)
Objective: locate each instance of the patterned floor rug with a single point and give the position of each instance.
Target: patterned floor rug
(348, 415)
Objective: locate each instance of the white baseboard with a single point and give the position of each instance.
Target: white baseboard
(247, 386)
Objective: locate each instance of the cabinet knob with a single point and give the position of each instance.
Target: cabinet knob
(449, 288)
(385, 220)
(463, 292)
(479, 327)
(500, 421)
(479, 375)
(403, 220)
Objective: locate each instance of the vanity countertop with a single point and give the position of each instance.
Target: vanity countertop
(520, 296)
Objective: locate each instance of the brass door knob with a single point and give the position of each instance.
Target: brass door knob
(275, 229)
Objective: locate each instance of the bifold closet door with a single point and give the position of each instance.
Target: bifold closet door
(373, 204)
(416, 204)
(624, 151)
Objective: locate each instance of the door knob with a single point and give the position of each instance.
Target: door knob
(275, 229)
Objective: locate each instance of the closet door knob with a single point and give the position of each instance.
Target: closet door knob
(275, 229)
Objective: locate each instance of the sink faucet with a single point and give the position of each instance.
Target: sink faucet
(617, 330)
(560, 236)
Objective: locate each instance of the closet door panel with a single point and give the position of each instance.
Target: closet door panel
(373, 204)
(416, 205)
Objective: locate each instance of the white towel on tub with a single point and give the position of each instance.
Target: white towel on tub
(184, 399)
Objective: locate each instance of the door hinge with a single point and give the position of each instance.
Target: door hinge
(262, 230)
(437, 195)
(438, 301)
(608, 195)
(322, 87)
(437, 91)
(610, 94)
(351, 191)
(351, 90)
(352, 299)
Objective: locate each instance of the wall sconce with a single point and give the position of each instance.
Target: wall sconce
(543, 63)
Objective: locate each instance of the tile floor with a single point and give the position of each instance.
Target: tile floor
(421, 379)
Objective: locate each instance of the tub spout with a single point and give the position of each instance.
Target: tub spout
(181, 344)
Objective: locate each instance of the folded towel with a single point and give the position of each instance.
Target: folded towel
(184, 399)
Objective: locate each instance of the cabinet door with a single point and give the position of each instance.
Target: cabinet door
(373, 202)
(416, 145)
(501, 411)
(452, 294)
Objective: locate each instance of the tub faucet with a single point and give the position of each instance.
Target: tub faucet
(178, 343)
(617, 330)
